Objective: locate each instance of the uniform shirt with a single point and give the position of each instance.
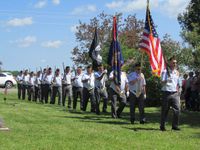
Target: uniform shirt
(90, 83)
(19, 79)
(124, 81)
(100, 83)
(43, 75)
(138, 84)
(48, 79)
(78, 80)
(67, 78)
(26, 79)
(57, 81)
(32, 80)
(172, 81)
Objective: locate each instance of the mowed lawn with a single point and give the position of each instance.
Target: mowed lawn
(35, 126)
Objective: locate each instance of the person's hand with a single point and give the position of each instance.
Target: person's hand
(127, 93)
(145, 96)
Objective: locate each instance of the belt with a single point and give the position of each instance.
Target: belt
(168, 92)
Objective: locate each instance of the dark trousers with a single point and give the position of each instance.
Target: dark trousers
(47, 92)
(133, 100)
(38, 93)
(42, 92)
(31, 93)
(122, 103)
(170, 99)
(67, 92)
(24, 89)
(56, 90)
(77, 92)
(19, 88)
(101, 93)
(88, 94)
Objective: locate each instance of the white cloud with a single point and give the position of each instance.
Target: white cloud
(52, 44)
(84, 10)
(129, 5)
(56, 2)
(170, 8)
(20, 21)
(43, 60)
(173, 7)
(74, 28)
(40, 4)
(26, 42)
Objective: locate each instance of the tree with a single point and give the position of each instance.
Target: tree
(129, 31)
(190, 23)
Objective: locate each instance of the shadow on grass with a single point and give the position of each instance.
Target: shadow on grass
(142, 129)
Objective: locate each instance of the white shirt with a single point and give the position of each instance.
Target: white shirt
(67, 78)
(19, 78)
(172, 81)
(26, 79)
(48, 79)
(32, 80)
(57, 81)
(100, 83)
(138, 84)
(90, 83)
(78, 80)
(124, 81)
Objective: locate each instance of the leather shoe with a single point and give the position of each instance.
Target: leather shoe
(176, 128)
(162, 129)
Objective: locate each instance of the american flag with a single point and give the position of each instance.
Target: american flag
(150, 43)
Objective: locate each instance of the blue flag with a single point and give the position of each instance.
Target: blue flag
(115, 59)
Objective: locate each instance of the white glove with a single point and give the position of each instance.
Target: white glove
(145, 96)
(105, 71)
(127, 94)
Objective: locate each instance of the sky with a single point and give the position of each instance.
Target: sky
(37, 33)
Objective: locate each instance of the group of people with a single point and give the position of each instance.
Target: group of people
(191, 91)
(99, 85)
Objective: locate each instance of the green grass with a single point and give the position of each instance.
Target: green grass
(48, 127)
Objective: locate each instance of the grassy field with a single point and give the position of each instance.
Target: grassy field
(49, 127)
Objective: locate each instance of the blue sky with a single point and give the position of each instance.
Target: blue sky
(37, 33)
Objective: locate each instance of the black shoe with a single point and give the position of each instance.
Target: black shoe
(142, 122)
(104, 111)
(176, 128)
(119, 116)
(162, 129)
(132, 122)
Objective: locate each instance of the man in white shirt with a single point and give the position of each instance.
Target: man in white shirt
(118, 92)
(19, 83)
(100, 88)
(56, 87)
(137, 88)
(78, 88)
(25, 82)
(67, 87)
(88, 80)
(170, 87)
(31, 89)
(47, 85)
(43, 84)
(37, 85)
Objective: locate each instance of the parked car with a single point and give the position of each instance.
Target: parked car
(7, 80)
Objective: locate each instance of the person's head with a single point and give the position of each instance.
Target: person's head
(57, 72)
(44, 70)
(197, 73)
(67, 69)
(32, 73)
(79, 70)
(100, 67)
(26, 72)
(173, 62)
(137, 68)
(38, 73)
(89, 69)
(21, 72)
(49, 70)
(185, 76)
(191, 74)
